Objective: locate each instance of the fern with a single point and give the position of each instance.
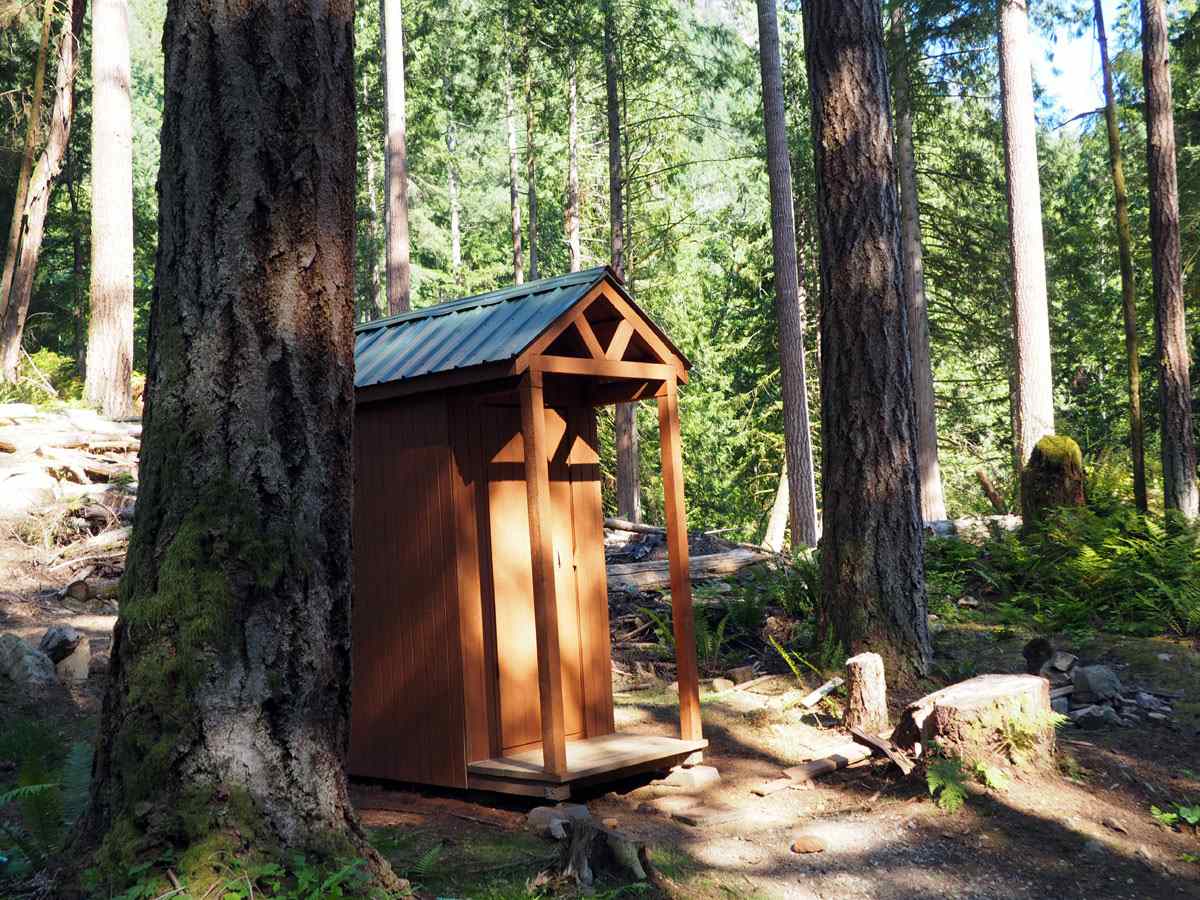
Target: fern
(990, 777)
(944, 777)
(427, 863)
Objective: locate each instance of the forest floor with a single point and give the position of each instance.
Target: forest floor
(1085, 830)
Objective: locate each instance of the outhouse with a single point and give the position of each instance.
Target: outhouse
(481, 645)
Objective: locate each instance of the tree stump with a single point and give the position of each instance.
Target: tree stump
(866, 694)
(988, 718)
(591, 849)
(1052, 478)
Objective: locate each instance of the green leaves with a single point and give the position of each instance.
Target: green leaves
(947, 787)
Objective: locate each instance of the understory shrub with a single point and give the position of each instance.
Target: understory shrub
(1082, 569)
(40, 371)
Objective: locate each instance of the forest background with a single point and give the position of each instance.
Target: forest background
(697, 210)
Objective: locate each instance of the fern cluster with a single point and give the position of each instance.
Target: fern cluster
(1112, 570)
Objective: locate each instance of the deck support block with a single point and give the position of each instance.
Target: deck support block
(682, 613)
(545, 599)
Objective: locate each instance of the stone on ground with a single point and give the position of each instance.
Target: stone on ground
(722, 684)
(1093, 717)
(978, 720)
(24, 664)
(808, 843)
(741, 674)
(1053, 478)
(76, 667)
(692, 779)
(1094, 683)
(59, 642)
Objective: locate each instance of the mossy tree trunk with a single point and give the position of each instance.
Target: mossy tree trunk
(873, 579)
(227, 712)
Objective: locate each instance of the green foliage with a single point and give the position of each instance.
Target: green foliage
(991, 777)
(50, 792)
(1082, 569)
(1176, 813)
(946, 783)
(44, 378)
(710, 640)
(794, 660)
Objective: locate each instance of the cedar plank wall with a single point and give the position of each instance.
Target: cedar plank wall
(407, 719)
(490, 495)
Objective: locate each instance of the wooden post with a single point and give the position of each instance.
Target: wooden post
(866, 694)
(677, 549)
(545, 599)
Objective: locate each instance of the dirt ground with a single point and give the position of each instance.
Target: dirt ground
(1083, 831)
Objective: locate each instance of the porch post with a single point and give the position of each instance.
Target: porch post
(677, 549)
(545, 601)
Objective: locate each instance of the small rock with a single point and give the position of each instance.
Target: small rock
(610, 822)
(549, 820)
(1094, 848)
(696, 778)
(59, 642)
(969, 602)
(1096, 682)
(1060, 705)
(24, 664)
(1114, 825)
(722, 684)
(1056, 677)
(77, 666)
(26, 491)
(1092, 717)
(1164, 657)
(1158, 717)
(1149, 702)
(1062, 660)
(741, 674)
(808, 843)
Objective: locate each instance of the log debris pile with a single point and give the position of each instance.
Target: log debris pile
(68, 487)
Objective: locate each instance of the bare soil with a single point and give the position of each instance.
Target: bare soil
(1082, 831)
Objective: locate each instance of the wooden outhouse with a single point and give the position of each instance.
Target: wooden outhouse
(480, 626)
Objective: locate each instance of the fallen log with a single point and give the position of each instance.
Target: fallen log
(638, 527)
(840, 759)
(657, 573)
(828, 687)
(886, 747)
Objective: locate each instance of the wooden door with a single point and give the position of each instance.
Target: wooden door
(516, 644)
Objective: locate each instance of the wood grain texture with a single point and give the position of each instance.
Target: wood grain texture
(545, 597)
(682, 614)
(873, 594)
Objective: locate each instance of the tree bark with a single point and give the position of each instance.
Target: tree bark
(873, 582)
(572, 212)
(1174, 384)
(26, 170)
(452, 181)
(40, 186)
(531, 168)
(79, 304)
(789, 295)
(629, 500)
(230, 684)
(514, 192)
(110, 328)
(395, 158)
(912, 254)
(1034, 406)
(1137, 438)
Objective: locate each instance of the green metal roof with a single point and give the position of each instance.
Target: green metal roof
(473, 331)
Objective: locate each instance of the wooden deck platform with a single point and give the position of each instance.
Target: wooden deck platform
(613, 755)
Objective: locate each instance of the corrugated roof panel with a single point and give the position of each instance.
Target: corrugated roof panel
(462, 333)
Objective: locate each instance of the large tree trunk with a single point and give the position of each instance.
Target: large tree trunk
(110, 328)
(40, 187)
(873, 582)
(79, 303)
(25, 172)
(1125, 250)
(373, 308)
(572, 212)
(395, 159)
(531, 167)
(452, 181)
(229, 691)
(1034, 406)
(789, 295)
(1174, 384)
(933, 503)
(629, 493)
(514, 190)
